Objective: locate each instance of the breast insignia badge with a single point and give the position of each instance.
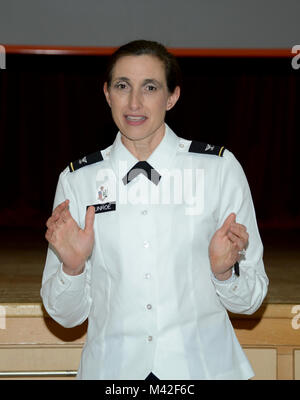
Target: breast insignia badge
(102, 193)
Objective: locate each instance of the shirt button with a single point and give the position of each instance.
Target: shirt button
(149, 306)
(144, 212)
(146, 244)
(149, 338)
(234, 288)
(181, 145)
(147, 275)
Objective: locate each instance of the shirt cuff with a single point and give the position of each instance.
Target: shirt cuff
(226, 281)
(73, 282)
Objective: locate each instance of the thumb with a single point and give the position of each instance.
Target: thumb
(228, 221)
(89, 218)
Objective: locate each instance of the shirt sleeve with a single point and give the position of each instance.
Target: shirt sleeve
(66, 298)
(245, 293)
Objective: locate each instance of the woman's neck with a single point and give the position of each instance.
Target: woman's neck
(143, 148)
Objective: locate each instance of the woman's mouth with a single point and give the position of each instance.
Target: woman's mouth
(135, 120)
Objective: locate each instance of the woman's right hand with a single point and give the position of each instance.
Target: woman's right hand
(72, 244)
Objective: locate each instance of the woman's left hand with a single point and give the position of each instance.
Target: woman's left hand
(225, 247)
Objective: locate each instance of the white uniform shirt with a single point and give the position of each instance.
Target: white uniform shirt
(147, 290)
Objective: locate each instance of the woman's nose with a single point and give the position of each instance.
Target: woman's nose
(135, 100)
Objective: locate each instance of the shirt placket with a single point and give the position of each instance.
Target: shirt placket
(147, 242)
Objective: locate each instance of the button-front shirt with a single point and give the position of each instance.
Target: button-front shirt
(147, 289)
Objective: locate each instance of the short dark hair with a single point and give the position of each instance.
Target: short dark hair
(147, 47)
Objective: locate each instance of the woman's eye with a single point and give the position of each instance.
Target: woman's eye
(151, 88)
(121, 85)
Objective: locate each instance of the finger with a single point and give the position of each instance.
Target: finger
(60, 222)
(227, 223)
(49, 235)
(236, 241)
(240, 230)
(60, 208)
(89, 219)
(57, 213)
(66, 215)
(49, 222)
(52, 222)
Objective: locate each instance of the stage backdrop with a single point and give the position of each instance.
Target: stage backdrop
(53, 111)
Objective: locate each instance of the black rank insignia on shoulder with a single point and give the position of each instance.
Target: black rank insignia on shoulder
(205, 148)
(87, 160)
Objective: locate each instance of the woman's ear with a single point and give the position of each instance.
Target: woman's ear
(106, 93)
(172, 100)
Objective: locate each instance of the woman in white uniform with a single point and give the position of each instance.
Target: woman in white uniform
(153, 239)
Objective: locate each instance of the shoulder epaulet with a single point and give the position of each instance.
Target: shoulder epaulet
(205, 148)
(87, 160)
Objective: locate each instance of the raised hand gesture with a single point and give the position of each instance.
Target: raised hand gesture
(72, 244)
(226, 246)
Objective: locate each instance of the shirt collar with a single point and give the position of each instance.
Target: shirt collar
(122, 160)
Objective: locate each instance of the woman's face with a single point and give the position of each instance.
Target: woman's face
(139, 97)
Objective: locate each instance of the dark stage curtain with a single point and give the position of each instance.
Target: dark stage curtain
(53, 111)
